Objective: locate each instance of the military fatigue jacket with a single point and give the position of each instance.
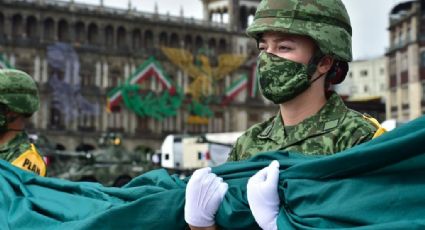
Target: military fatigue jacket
(21, 153)
(333, 129)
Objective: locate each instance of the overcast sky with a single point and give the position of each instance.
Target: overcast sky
(369, 19)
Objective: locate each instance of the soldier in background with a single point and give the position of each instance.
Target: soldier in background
(305, 47)
(19, 99)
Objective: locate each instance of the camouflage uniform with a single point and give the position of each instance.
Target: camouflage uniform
(333, 129)
(20, 146)
(19, 93)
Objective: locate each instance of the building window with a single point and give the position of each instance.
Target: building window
(63, 31)
(86, 122)
(174, 40)
(109, 36)
(115, 121)
(32, 28)
(350, 74)
(366, 89)
(137, 40)
(56, 119)
(423, 58)
(143, 125)
(353, 89)
(148, 42)
(87, 79)
(93, 34)
(80, 33)
(218, 122)
(382, 71)
(17, 25)
(163, 39)
(363, 73)
(122, 38)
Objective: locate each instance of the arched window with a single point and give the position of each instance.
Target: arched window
(212, 46)
(174, 40)
(93, 34)
(80, 32)
(199, 43)
(222, 46)
(137, 39)
(243, 17)
(148, 39)
(49, 32)
(251, 15)
(163, 39)
(32, 28)
(188, 44)
(109, 36)
(63, 31)
(121, 37)
(17, 26)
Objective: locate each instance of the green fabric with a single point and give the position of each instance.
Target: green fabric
(333, 129)
(377, 185)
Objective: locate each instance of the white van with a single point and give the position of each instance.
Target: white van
(185, 152)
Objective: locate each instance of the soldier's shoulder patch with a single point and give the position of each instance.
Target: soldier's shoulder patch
(30, 160)
(379, 129)
(266, 132)
(330, 124)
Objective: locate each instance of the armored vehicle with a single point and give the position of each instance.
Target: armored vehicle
(110, 164)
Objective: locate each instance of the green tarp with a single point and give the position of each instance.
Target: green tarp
(377, 185)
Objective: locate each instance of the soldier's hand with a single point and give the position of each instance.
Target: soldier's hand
(263, 197)
(204, 193)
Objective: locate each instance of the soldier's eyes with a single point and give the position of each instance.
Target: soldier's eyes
(284, 48)
(262, 47)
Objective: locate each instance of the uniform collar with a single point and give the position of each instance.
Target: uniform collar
(14, 141)
(327, 119)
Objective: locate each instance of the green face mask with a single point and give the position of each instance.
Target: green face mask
(280, 79)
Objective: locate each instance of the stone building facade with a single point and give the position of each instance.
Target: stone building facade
(365, 79)
(406, 62)
(111, 43)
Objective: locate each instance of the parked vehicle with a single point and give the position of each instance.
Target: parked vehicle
(184, 153)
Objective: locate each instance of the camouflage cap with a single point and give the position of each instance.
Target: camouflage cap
(326, 21)
(18, 91)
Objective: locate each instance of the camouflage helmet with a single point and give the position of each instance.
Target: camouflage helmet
(325, 21)
(18, 91)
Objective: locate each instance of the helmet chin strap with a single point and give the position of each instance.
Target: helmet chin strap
(315, 79)
(10, 119)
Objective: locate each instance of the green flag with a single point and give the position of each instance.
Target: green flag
(376, 185)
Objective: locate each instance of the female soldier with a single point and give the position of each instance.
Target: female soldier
(304, 48)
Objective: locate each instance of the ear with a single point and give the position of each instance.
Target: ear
(325, 64)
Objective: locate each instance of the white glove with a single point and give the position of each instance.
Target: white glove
(204, 193)
(263, 197)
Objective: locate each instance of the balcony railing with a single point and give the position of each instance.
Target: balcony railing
(400, 44)
(83, 7)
